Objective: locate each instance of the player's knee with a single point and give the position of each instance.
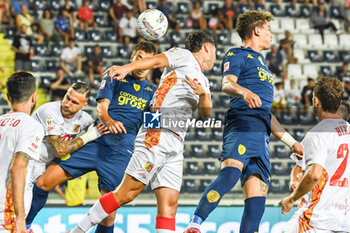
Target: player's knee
(168, 210)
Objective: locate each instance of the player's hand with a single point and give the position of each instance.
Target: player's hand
(287, 204)
(116, 72)
(20, 225)
(252, 99)
(102, 129)
(298, 150)
(115, 126)
(197, 89)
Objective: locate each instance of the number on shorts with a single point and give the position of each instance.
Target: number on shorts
(335, 179)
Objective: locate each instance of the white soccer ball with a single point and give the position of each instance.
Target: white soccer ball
(152, 24)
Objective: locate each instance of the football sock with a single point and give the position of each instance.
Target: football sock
(211, 197)
(104, 229)
(254, 208)
(99, 211)
(38, 202)
(165, 225)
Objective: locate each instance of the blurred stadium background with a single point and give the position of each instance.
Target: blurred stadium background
(314, 56)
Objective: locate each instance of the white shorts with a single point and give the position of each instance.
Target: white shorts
(35, 169)
(157, 159)
(295, 224)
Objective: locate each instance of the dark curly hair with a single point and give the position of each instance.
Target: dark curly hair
(195, 41)
(329, 91)
(20, 86)
(249, 20)
(146, 46)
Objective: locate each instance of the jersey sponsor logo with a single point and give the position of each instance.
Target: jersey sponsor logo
(103, 84)
(136, 86)
(148, 167)
(76, 128)
(226, 66)
(49, 124)
(134, 101)
(213, 196)
(241, 149)
(34, 145)
(250, 56)
(230, 54)
(265, 75)
(148, 89)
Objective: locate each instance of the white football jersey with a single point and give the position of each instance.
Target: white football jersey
(50, 117)
(327, 206)
(19, 132)
(174, 98)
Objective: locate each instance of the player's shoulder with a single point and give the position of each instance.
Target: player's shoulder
(150, 87)
(50, 106)
(235, 52)
(25, 121)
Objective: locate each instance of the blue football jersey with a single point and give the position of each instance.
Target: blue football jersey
(129, 98)
(250, 68)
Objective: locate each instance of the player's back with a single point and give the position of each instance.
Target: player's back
(327, 205)
(174, 97)
(14, 130)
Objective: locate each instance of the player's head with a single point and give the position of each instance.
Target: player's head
(343, 111)
(21, 89)
(327, 95)
(75, 99)
(142, 50)
(200, 42)
(255, 25)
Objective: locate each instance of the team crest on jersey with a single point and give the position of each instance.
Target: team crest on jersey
(226, 66)
(76, 128)
(261, 61)
(137, 87)
(250, 56)
(148, 167)
(241, 149)
(103, 84)
(49, 124)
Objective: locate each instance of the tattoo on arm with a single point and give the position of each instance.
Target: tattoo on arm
(104, 100)
(63, 148)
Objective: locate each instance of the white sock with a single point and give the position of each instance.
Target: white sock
(193, 225)
(95, 215)
(164, 231)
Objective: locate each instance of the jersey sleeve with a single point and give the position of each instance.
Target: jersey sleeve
(86, 120)
(315, 149)
(106, 89)
(299, 162)
(30, 140)
(177, 57)
(232, 64)
(49, 121)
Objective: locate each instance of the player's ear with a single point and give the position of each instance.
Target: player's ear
(256, 31)
(317, 102)
(33, 97)
(85, 104)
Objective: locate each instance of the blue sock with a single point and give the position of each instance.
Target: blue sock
(211, 197)
(254, 208)
(39, 200)
(104, 229)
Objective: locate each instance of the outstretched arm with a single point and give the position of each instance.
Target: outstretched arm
(278, 130)
(307, 183)
(18, 176)
(119, 72)
(104, 117)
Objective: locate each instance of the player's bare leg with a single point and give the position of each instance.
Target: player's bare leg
(129, 189)
(167, 199)
(53, 176)
(254, 190)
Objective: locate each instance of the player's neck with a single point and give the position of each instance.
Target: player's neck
(326, 115)
(254, 45)
(21, 107)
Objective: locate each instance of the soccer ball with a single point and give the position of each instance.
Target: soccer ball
(152, 24)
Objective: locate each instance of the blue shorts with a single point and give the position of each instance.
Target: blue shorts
(246, 139)
(109, 165)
